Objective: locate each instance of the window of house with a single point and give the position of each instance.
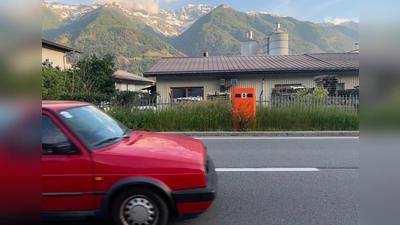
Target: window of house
(178, 92)
(183, 92)
(195, 92)
(340, 86)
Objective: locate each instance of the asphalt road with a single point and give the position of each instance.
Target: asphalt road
(325, 192)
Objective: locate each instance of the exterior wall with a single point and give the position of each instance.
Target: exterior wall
(130, 87)
(349, 81)
(211, 84)
(139, 87)
(54, 56)
(164, 84)
(125, 87)
(248, 81)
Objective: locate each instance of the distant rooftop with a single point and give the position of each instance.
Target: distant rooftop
(57, 47)
(124, 75)
(304, 63)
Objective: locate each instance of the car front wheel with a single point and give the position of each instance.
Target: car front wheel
(139, 206)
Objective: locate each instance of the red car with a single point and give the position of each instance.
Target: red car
(94, 166)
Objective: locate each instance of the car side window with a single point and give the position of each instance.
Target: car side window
(54, 140)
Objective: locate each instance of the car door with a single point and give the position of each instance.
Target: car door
(67, 180)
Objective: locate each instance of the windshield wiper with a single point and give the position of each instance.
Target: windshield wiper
(126, 132)
(108, 140)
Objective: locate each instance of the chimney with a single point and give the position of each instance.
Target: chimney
(277, 26)
(249, 35)
(205, 54)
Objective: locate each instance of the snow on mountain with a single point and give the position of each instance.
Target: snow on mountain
(171, 23)
(346, 23)
(167, 22)
(71, 12)
(190, 14)
(264, 13)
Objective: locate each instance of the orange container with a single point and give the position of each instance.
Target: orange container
(243, 107)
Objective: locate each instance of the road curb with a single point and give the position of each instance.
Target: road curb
(270, 133)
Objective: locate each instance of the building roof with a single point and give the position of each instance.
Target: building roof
(57, 47)
(320, 62)
(124, 75)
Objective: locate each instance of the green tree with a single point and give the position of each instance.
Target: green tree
(53, 81)
(94, 75)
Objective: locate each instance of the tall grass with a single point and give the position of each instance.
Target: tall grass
(300, 119)
(217, 116)
(199, 116)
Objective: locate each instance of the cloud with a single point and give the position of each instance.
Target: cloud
(151, 6)
(169, 1)
(284, 7)
(337, 21)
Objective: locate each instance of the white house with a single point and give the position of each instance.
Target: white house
(57, 54)
(125, 81)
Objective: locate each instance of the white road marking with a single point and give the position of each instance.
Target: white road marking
(266, 169)
(272, 138)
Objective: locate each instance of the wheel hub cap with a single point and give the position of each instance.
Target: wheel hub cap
(139, 211)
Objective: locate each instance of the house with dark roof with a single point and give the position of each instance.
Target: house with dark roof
(179, 77)
(125, 81)
(57, 54)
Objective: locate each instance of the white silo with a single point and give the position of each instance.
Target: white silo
(277, 42)
(249, 45)
(266, 46)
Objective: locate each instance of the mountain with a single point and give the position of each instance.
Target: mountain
(222, 30)
(348, 31)
(350, 24)
(218, 32)
(166, 22)
(66, 13)
(348, 28)
(50, 19)
(138, 38)
(104, 30)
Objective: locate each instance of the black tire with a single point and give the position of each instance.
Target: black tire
(145, 200)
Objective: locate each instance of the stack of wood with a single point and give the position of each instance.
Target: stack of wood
(218, 96)
(284, 91)
(328, 82)
(349, 92)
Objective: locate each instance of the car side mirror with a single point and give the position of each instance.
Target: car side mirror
(62, 148)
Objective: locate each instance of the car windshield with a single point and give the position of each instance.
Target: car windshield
(96, 127)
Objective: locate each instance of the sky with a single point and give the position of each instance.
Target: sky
(306, 10)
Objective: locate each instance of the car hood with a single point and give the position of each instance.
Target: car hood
(166, 147)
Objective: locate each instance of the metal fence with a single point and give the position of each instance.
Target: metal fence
(341, 103)
(151, 104)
